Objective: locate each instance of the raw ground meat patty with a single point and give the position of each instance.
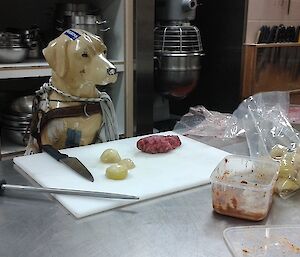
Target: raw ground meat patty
(158, 144)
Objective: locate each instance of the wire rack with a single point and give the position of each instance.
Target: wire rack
(177, 39)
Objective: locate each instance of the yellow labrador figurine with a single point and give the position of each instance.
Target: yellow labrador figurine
(69, 111)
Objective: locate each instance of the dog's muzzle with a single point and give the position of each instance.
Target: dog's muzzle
(111, 71)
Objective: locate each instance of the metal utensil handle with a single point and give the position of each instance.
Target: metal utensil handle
(100, 22)
(5, 186)
(53, 152)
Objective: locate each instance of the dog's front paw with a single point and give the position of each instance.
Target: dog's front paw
(54, 134)
(32, 146)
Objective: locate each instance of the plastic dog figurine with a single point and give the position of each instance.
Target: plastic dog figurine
(69, 111)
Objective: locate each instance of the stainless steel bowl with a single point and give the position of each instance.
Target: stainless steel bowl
(13, 54)
(176, 75)
(22, 104)
(19, 136)
(15, 124)
(16, 116)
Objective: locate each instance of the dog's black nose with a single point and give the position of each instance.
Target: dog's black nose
(111, 71)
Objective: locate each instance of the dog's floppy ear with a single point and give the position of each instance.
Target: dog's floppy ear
(56, 55)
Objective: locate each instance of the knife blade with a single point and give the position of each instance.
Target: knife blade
(4, 186)
(71, 162)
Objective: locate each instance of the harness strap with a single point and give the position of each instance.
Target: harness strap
(86, 109)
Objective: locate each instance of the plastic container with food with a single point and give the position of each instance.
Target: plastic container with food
(242, 186)
(263, 241)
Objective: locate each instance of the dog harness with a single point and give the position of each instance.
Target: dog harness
(43, 114)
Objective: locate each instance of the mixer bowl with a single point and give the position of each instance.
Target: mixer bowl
(176, 84)
(176, 75)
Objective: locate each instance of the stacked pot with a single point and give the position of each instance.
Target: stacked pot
(16, 120)
(79, 16)
(16, 45)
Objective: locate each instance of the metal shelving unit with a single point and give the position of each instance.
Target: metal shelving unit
(36, 68)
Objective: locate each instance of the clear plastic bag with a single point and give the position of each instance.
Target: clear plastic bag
(263, 119)
(204, 123)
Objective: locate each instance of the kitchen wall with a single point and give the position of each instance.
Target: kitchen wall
(270, 12)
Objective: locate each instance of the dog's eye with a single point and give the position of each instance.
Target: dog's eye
(85, 55)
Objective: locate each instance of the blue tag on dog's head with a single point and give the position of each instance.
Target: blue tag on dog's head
(72, 34)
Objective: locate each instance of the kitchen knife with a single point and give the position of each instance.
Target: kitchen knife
(71, 162)
(4, 186)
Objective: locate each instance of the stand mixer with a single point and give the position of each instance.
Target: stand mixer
(177, 53)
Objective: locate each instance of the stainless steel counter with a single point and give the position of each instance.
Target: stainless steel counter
(180, 224)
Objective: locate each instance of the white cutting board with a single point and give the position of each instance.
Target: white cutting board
(155, 174)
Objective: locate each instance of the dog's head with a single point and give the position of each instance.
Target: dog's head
(77, 55)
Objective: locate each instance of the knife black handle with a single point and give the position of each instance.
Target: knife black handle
(53, 152)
